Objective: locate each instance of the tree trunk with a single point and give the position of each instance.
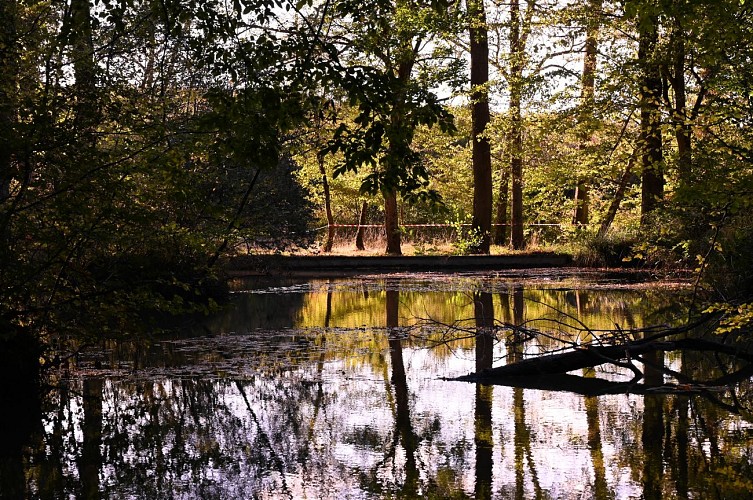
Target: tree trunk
(516, 125)
(84, 67)
(652, 188)
(391, 226)
(588, 81)
(329, 240)
(400, 135)
(482, 163)
(361, 223)
(680, 115)
(8, 92)
(500, 230)
(614, 206)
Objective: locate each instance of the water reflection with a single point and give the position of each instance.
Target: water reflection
(337, 393)
(483, 436)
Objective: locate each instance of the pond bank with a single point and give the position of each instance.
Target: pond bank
(255, 265)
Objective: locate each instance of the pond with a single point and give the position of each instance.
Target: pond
(339, 388)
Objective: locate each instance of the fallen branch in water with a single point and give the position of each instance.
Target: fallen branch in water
(587, 386)
(591, 356)
(539, 369)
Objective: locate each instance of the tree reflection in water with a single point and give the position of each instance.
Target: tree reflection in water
(339, 401)
(483, 438)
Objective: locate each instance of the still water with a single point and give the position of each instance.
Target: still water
(337, 389)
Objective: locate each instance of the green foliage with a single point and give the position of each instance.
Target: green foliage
(118, 184)
(385, 80)
(616, 249)
(467, 238)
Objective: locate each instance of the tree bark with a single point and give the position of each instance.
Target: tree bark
(500, 230)
(516, 125)
(330, 238)
(400, 135)
(391, 226)
(482, 163)
(652, 188)
(361, 222)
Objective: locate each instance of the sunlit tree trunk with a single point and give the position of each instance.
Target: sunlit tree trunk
(652, 189)
(361, 223)
(588, 80)
(516, 125)
(399, 136)
(391, 225)
(330, 238)
(500, 230)
(482, 162)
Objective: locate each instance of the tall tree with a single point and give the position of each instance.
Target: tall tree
(389, 75)
(8, 85)
(585, 116)
(81, 50)
(652, 177)
(482, 163)
(515, 81)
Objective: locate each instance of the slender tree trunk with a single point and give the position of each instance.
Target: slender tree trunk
(330, 238)
(500, 230)
(614, 206)
(680, 115)
(588, 81)
(361, 224)
(391, 226)
(652, 189)
(400, 136)
(8, 91)
(84, 67)
(482, 162)
(516, 126)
